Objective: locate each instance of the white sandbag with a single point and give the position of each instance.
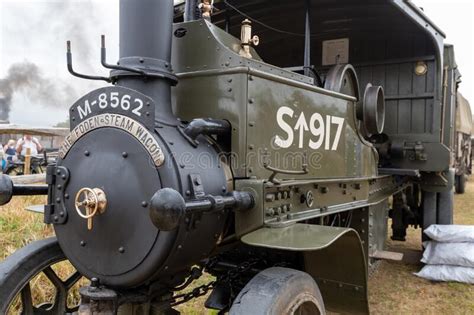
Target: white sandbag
(447, 273)
(451, 233)
(456, 254)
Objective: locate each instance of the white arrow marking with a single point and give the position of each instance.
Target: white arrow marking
(302, 125)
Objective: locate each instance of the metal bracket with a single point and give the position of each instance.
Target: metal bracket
(277, 171)
(196, 186)
(399, 172)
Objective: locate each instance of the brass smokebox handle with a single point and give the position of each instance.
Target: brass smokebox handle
(94, 201)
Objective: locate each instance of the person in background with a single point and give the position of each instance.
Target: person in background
(10, 151)
(3, 162)
(30, 142)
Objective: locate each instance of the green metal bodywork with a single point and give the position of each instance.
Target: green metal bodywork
(333, 256)
(215, 81)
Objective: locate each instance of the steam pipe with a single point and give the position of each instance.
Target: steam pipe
(191, 12)
(307, 40)
(79, 75)
(103, 60)
(30, 190)
(8, 190)
(207, 127)
(167, 206)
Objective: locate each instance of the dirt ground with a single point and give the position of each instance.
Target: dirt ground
(393, 289)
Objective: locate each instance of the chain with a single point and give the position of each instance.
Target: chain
(204, 289)
(195, 293)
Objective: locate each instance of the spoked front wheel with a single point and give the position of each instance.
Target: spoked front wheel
(38, 279)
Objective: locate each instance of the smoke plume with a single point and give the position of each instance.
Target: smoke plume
(27, 79)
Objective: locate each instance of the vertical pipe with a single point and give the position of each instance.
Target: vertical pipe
(307, 40)
(146, 29)
(190, 10)
(227, 21)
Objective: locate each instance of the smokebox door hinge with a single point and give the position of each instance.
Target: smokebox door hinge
(55, 210)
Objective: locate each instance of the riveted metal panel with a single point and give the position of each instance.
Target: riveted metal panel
(221, 97)
(350, 157)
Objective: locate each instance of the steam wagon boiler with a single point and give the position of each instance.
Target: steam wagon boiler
(263, 142)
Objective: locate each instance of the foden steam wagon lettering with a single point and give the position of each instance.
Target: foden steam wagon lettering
(124, 123)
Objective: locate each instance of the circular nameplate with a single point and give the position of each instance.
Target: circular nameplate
(133, 127)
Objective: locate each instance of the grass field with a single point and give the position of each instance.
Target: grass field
(393, 289)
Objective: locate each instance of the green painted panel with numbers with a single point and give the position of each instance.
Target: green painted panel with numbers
(284, 119)
(279, 118)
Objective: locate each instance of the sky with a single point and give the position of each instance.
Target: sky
(35, 32)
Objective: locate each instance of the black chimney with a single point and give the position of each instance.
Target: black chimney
(146, 28)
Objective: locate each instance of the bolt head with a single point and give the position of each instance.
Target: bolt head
(94, 282)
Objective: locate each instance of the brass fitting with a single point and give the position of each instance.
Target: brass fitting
(246, 39)
(94, 202)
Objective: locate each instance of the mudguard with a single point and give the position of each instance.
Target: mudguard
(333, 256)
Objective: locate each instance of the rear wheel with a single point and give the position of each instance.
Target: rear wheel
(460, 184)
(279, 291)
(437, 208)
(445, 207)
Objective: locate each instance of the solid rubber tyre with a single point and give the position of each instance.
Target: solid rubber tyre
(445, 207)
(437, 208)
(277, 291)
(460, 184)
(429, 211)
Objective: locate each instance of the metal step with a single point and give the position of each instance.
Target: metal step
(386, 255)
